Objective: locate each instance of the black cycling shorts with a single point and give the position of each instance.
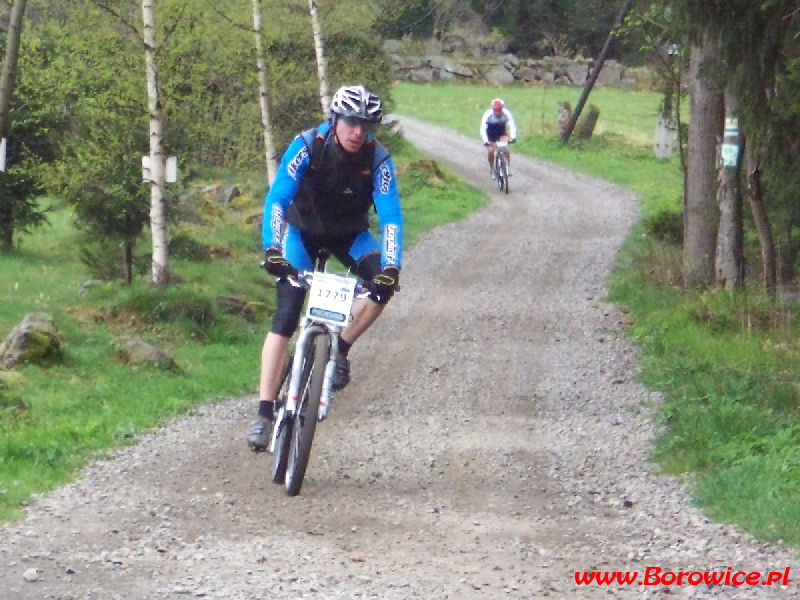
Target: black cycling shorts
(290, 298)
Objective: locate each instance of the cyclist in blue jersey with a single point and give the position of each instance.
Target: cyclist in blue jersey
(497, 123)
(328, 180)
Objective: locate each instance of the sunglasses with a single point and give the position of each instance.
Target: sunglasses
(356, 122)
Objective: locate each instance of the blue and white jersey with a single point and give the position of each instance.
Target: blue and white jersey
(493, 126)
(385, 196)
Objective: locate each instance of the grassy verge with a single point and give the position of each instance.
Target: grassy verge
(55, 418)
(727, 364)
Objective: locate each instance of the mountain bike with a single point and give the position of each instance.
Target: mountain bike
(501, 165)
(305, 392)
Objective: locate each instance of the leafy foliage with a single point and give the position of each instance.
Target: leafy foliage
(559, 27)
(80, 118)
(30, 145)
(98, 170)
(396, 19)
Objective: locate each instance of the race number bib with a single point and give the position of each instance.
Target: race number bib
(331, 298)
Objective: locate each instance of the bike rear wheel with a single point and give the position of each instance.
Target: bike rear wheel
(305, 420)
(283, 425)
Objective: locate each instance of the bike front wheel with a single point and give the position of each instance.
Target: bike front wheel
(283, 429)
(305, 419)
(498, 174)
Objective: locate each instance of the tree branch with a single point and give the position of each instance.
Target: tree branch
(128, 25)
(230, 21)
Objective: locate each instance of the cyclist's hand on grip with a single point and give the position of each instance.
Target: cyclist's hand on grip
(275, 263)
(384, 284)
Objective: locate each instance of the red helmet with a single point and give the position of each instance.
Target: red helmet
(497, 104)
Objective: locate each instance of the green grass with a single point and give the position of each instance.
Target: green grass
(621, 151)
(55, 418)
(727, 364)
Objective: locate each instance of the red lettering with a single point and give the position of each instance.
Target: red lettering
(605, 578)
(647, 576)
(583, 578)
(772, 577)
(695, 578)
(713, 578)
(668, 578)
(657, 576)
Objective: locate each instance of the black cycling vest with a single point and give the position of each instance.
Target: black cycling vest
(335, 193)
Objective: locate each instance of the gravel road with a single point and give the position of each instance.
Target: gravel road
(493, 442)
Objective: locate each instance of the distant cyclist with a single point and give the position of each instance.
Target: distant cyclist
(497, 124)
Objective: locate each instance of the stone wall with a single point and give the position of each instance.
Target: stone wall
(454, 58)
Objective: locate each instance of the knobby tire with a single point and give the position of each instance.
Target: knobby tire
(284, 424)
(305, 421)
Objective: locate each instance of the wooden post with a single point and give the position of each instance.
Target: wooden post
(586, 126)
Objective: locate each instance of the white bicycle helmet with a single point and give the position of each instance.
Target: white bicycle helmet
(356, 101)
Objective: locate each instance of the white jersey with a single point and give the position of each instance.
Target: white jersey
(493, 126)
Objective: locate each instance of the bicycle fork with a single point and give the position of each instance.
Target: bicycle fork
(289, 407)
(293, 394)
(327, 382)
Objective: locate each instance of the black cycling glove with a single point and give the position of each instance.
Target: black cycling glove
(384, 284)
(276, 264)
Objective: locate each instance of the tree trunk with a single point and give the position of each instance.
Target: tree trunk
(269, 146)
(8, 80)
(158, 220)
(729, 271)
(700, 209)
(767, 242)
(322, 65)
(128, 249)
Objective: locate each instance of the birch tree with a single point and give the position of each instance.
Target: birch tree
(9, 75)
(158, 216)
(322, 65)
(263, 96)
(7, 81)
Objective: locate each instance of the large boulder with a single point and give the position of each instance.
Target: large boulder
(448, 65)
(393, 46)
(35, 340)
(134, 351)
(499, 76)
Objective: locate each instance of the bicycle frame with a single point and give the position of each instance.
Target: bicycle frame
(500, 162)
(305, 392)
(313, 326)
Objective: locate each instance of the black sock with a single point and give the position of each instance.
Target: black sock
(266, 409)
(344, 347)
